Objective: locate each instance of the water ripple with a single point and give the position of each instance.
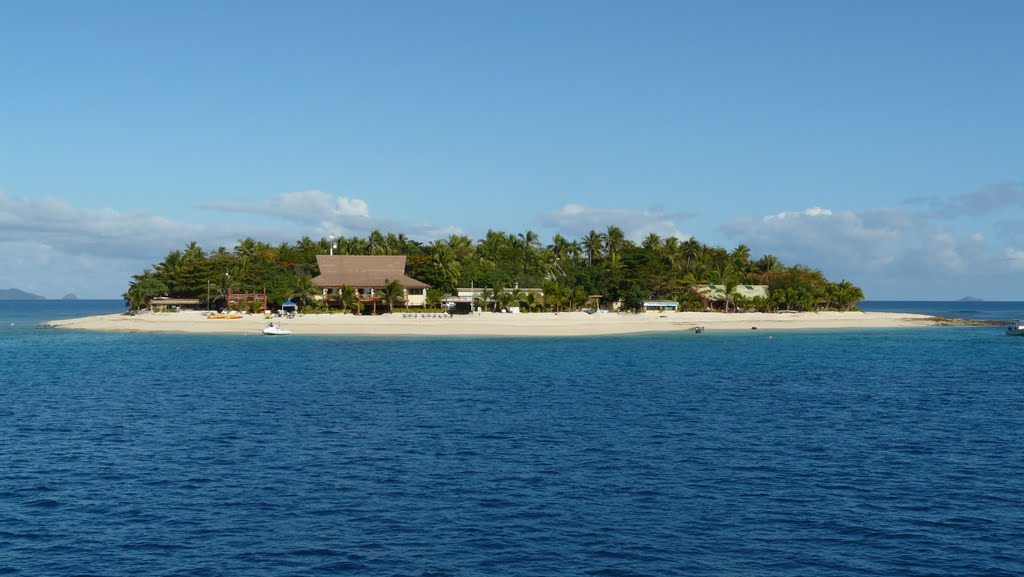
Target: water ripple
(850, 453)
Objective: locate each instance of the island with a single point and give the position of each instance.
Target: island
(502, 284)
(14, 294)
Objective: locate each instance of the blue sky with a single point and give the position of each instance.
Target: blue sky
(878, 141)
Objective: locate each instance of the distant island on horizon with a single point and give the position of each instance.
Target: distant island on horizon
(971, 300)
(14, 294)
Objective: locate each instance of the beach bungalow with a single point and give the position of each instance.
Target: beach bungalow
(661, 306)
(167, 303)
(714, 295)
(368, 275)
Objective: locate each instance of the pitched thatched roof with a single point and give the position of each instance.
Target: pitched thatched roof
(363, 271)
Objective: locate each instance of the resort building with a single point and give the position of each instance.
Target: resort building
(714, 294)
(167, 303)
(368, 275)
(661, 306)
(246, 301)
(466, 299)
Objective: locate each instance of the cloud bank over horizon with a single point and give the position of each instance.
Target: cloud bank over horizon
(52, 247)
(897, 253)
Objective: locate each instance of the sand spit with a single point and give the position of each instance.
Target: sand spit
(497, 324)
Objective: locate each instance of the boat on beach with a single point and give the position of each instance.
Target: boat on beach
(1017, 328)
(275, 329)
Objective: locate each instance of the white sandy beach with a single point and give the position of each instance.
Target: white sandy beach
(496, 324)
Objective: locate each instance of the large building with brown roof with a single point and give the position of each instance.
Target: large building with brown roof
(368, 274)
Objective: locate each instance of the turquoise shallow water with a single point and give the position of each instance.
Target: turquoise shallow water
(809, 453)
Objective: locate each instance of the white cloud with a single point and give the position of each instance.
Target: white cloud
(816, 211)
(320, 214)
(312, 208)
(51, 247)
(819, 237)
(1015, 257)
(884, 248)
(577, 220)
(73, 230)
(50, 271)
(1009, 194)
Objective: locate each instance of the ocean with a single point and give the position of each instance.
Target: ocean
(821, 452)
(974, 310)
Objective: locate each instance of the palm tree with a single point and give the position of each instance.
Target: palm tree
(517, 296)
(556, 295)
(652, 242)
(726, 276)
(170, 268)
(673, 254)
(671, 244)
(408, 247)
(444, 260)
(517, 252)
(575, 251)
(532, 302)
(485, 295)
(846, 295)
(559, 246)
(490, 247)
(143, 288)
(577, 297)
(549, 265)
(356, 245)
(307, 250)
(691, 249)
(193, 252)
(529, 244)
(434, 297)
(593, 244)
(741, 257)
(285, 254)
(614, 241)
(304, 290)
(740, 302)
(500, 296)
(392, 245)
(530, 239)
(392, 291)
(768, 264)
(347, 298)
(376, 243)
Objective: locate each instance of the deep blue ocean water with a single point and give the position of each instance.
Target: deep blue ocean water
(853, 452)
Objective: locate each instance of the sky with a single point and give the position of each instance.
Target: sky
(881, 142)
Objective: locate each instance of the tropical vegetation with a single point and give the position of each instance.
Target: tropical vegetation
(603, 263)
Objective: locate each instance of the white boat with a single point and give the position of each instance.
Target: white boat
(272, 329)
(1017, 328)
